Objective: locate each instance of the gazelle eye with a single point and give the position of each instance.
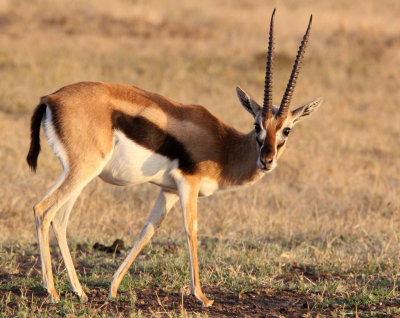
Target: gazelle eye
(286, 131)
(257, 127)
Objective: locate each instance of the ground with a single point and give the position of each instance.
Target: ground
(157, 285)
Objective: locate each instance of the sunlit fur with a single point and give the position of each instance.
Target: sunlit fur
(128, 136)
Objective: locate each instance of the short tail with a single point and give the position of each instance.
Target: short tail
(34, 149)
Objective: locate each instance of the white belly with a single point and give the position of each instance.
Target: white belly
(131, 163)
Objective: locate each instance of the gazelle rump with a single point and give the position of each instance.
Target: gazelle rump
(128, 136)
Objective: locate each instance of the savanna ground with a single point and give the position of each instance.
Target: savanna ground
(317, 237)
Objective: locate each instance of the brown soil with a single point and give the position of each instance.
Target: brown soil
(265, 303)
(155, 301)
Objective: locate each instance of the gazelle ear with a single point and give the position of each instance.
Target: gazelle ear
(248, 103)
(305, 110)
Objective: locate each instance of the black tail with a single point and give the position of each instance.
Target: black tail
(34, 149)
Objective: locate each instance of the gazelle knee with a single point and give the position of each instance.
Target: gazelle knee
(41, 218)
(38, 214)
(37, 211)
(191, 229)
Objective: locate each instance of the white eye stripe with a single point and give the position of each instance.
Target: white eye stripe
(260, 144)
(260, 137)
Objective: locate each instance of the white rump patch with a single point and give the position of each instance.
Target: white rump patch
(52, 138)
(55, 145)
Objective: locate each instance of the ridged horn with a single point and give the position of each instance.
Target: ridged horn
(287, 97)
(267, 105)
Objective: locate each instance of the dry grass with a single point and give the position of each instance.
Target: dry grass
(337, 188)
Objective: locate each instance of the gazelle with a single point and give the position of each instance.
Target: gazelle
(128, 136)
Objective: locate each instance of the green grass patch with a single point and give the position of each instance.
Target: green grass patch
(233, 267)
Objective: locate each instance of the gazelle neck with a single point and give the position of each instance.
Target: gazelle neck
(240, 166)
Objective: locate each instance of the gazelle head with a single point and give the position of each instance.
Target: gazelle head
(273, 124)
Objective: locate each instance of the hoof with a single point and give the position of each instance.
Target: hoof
(83, 298)
(207, 303)
(54, 298)
(111, 296)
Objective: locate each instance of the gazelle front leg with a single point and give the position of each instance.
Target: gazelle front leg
(188, 188)
(165, 201)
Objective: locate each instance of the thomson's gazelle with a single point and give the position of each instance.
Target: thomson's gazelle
(128, 136)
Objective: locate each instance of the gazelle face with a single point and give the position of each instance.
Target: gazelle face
(272, 124)
(271, 132)
(271, 135)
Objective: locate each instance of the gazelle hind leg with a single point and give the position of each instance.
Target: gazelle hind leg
(45, 210)
(188, 193)
(165, 201)
(59, 224)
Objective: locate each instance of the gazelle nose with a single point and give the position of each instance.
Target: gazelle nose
(267, 162)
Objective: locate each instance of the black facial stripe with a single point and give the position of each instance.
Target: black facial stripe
(150, 136)
(281, 144)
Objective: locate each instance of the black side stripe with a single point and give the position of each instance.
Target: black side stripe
(150, 136)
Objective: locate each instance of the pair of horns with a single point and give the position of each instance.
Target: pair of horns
(287, 96)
